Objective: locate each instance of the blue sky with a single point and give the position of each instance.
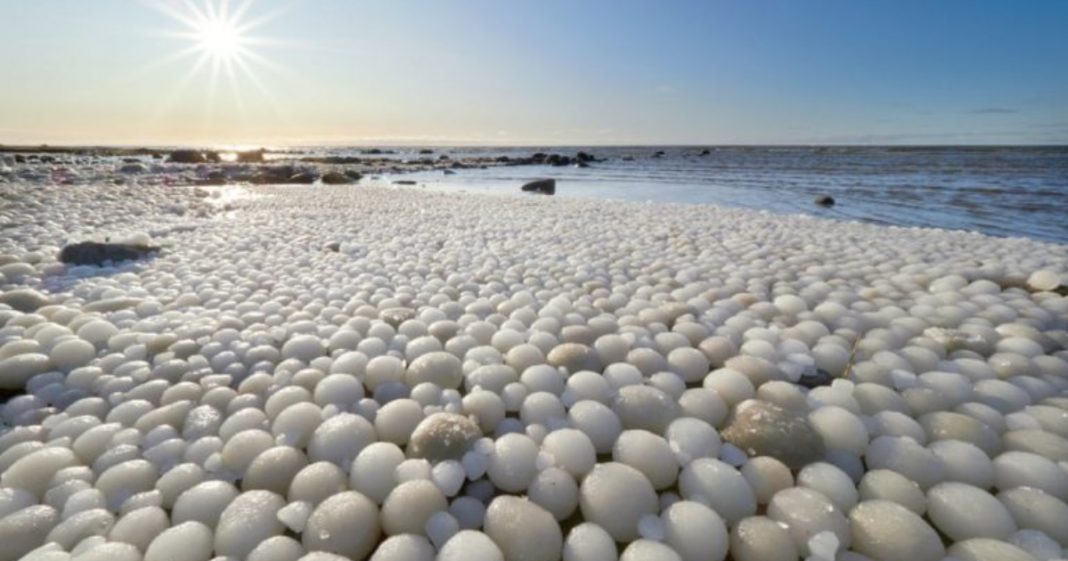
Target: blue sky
(548, 72)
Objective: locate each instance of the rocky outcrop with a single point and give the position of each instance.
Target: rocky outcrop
(541, 186)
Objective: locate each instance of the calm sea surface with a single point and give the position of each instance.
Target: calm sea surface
(1003, 191)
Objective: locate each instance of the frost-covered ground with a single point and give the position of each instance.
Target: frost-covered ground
(313, 372)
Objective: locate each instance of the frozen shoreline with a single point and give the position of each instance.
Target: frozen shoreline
(301, 324)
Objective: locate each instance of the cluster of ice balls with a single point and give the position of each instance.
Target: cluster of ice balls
(471, 378)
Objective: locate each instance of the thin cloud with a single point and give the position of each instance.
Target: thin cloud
(993, 111)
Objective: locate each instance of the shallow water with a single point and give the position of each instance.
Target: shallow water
(1002, 191)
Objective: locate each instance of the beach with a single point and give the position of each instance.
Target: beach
(385, 371)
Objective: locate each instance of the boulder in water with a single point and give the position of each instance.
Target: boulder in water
(541, 186)
(187, 157)
(824, 200)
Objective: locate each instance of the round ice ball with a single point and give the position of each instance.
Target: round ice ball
(647, 550)
(615, 496)
(345, 524)
(758, 538)
(409, 506)
(513, 462)
(556, 491)
(470, 545)
(888, 531)
(1035, 509)
(721, 486)
(589, 542)
(887, 485)
(523, 530)
(962, 511)
(248, 520)
(645, 407)
(807, 513)
(188, 541)
(372, 470)
(695, 532)
(438, 367)
(404, 547)
(766, 476)
(571, 450)
(648, 453)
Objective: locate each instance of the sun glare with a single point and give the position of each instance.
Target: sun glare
(220, 38)
(219, 43)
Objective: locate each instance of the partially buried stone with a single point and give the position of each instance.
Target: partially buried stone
(336, 178)
(825, 200)
(763, 429)
(443, 436)
(541, 186)
(815, 377)
(94, 253)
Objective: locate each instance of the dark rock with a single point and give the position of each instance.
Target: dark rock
(581, 165)
(404, 182)
(539, 157)
(94, 253)
(336, 178)
(443, 157)
(304, 177)
(334, 247)
(815, 377)
(20, 159)
(448, 172)
(705, 152)
(558, 160)
(825, 200)
(503, 159)
(585, 157)
(761, 428)
(426, 151)
(251, 157)
(212, 157)
(353, 174)
(187, 157)
(659, 154)
(541, 186)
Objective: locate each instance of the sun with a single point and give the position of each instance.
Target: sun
(221, 39)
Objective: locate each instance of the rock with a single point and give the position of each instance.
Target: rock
(187, 157)
(94, 253)
(333, 246)
(659, 154)
(353, 174)
(336, 178)
(251, 156)
(404, 182)
(304, 177)
(443, 436)
(541, 186)
(761, 428)
(448, 172)
(705, 152)
(426, 151)
(583, 157)
(24, 299)
(824, 200)
(133, 168)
